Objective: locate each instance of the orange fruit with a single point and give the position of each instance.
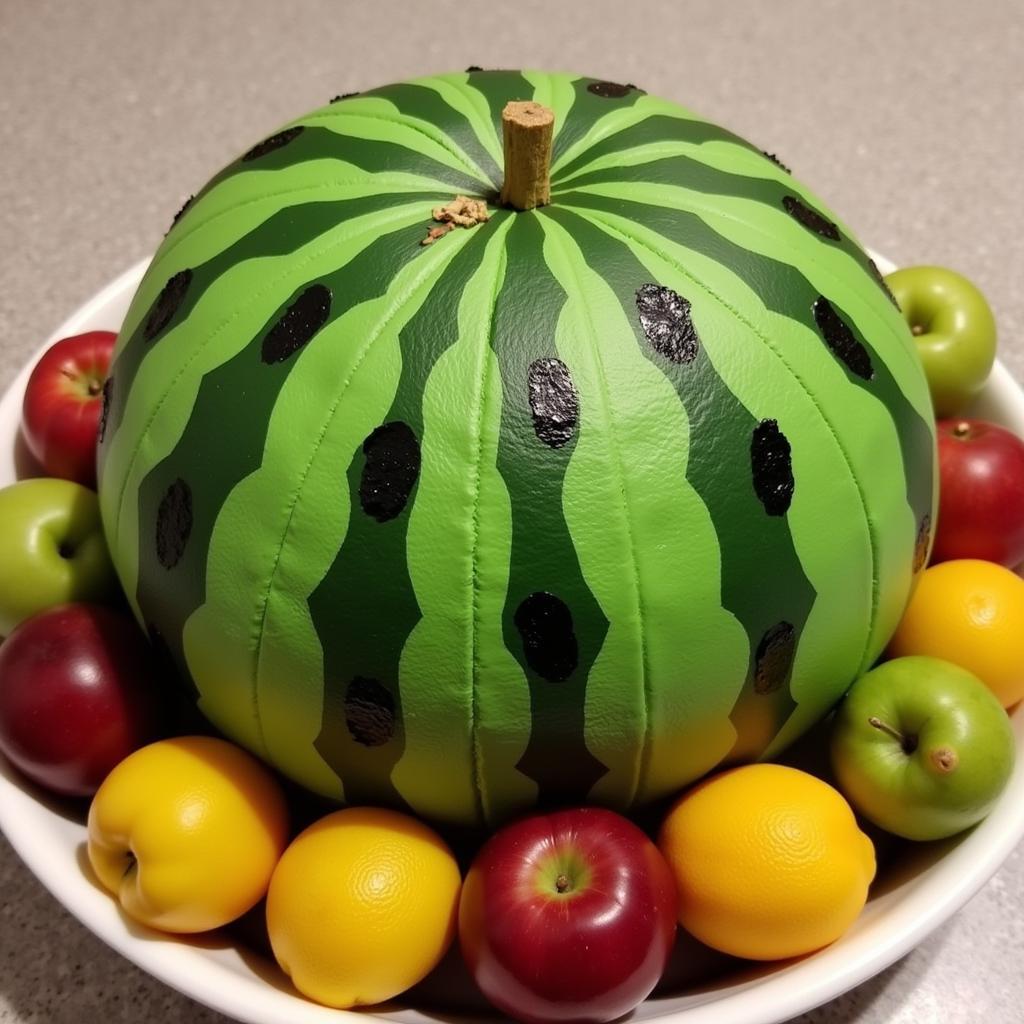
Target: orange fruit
(971, 613)
(768, 860)
(362, 906)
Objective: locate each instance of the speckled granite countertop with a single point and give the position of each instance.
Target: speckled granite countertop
(905, 117)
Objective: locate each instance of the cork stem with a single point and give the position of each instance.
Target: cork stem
(527, 128)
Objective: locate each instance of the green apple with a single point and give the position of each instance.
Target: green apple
(954, 330)
(921, 747)
(52, 549)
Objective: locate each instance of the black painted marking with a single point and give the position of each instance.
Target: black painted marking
(882, 283)
(554, 401)
(549, 643)
(772, 467)
(773, 660)
(343, 96)
(610, 90)
(369, 712)
(811, 219)
(924, 535)
(182, 210)
(173, 523)
(167, 302)
(841, 339)
(775, 160)
(665, 318)
(390, 472)
(472, 68)
(297, 325)
(277, 141)
(108, 392)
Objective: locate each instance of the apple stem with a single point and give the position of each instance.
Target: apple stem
(562, 883)
(95, 387)
(962, 430)
(908, 743)
(917, 330)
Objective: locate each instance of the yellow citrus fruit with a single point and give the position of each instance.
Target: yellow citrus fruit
(186, 833)
(768, 860)
(362, 906)
(971, 613)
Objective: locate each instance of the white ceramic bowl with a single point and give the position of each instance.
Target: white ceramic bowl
(912, 897)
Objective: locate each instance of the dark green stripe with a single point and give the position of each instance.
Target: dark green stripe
(363, 630)
(687, 173)
(425, 104)
(783, 289)
(234, 405)
(499, 88)
(542, 559)
(371, 155)
(284, 232)
(657, 128)
(587, 109)
(763, 581)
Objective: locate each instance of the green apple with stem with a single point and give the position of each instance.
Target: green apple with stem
(954, 329)
(921, 747)
(52, 549)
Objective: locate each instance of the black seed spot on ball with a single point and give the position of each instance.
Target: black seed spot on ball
(882, 283)
(182, 210)
(472, 68)
(811, 219)
(167, 302)
(392, 466)
(553, 401)
(297, 325)
(610, 90)
(108, 391)
(343, 96)
(369, 712)
(277, 141)
(173, 523)
(841, 340)
(549, 643)
(924, 534)
(773, 658)
(775, 160)
(665, 318)
(772, 467)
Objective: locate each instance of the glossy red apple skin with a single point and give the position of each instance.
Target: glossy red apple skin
(981, 493)
(79, 691)
(590, 955)
(63, 403)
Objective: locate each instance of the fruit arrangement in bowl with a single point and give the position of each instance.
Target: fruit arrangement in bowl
(508, 572)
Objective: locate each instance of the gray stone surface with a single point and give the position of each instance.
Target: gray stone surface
(906, 117)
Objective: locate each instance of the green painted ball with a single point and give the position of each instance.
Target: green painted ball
(574, 504)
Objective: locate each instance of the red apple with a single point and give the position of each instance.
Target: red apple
(60, 415)
(981, 493)
(568, 916)
(78, 693)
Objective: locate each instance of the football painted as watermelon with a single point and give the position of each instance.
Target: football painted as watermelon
(572, 503)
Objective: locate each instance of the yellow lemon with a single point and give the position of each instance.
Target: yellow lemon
(768, 860)
(362, 906)
(186, 833)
